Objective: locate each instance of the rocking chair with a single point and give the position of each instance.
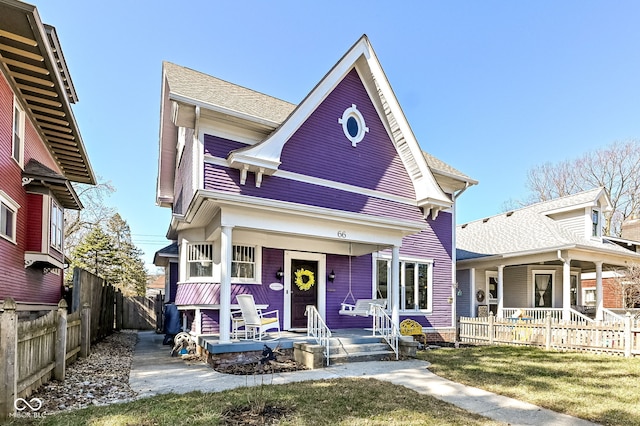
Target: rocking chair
(256, 322)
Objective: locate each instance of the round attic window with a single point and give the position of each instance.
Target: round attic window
(353, 125)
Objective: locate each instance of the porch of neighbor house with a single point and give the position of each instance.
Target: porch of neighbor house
(534, 291)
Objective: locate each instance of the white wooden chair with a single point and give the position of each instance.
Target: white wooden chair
(256, 322)
(362, 308)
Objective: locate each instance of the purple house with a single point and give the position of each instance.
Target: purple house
(268, 197)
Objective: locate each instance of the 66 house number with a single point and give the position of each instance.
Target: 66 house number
(342, 234)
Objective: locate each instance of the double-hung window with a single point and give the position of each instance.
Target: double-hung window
(595, 223)
(56, 226)
(415, 283)
(244, 264)
(17, 145)
(8, 217)
(200, 260)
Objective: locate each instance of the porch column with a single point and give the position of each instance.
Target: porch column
(599, 292)
(395, 286)
(226, 248)
(566, 290)
(500, 291)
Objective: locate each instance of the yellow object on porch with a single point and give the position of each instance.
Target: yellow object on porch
(410, 327)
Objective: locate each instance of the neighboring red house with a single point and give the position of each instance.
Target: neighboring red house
(41, 153)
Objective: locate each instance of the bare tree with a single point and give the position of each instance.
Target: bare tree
(615, 168)
(627, 286)
(78, 223)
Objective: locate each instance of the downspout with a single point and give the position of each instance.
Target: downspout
(454, 278)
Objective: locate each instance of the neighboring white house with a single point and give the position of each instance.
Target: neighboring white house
(534, 258)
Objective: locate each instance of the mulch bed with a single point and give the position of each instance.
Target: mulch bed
(274, 366)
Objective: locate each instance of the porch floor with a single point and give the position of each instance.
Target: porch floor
(212, 342)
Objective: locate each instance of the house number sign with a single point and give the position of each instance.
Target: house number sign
(342, 234)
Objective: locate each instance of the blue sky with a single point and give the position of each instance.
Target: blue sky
(493, 88)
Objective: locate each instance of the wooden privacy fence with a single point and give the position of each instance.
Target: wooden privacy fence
(139, 312)
(34, 351)
(616, 338)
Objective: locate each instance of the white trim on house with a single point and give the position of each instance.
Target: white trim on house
(403, 260)
(324, 183)
(13, 207)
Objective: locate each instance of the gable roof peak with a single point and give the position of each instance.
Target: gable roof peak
(264, 157)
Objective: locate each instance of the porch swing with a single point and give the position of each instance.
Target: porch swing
(359, 307)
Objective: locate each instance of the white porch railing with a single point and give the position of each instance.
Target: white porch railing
(383, 325)
(317, 329)
(611, 317)
(540, 314)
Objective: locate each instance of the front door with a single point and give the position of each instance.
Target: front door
(304, 290)
(305, 285)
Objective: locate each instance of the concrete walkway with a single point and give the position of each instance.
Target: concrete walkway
(154, 372)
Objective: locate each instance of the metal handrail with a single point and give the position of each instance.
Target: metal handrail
(383, 324)
(317, 329)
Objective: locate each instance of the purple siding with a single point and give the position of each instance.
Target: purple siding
(276, 188)
(209, 293)
(220, 147)
(319, 147)
(183, 183)
(434, 243)
(361, 285)
(173, 280)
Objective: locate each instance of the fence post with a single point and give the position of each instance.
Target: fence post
(547, 334)
(627, 335)
(61, 341)
(491, 319)
(8, 355)
(118, 296)
(85, 330)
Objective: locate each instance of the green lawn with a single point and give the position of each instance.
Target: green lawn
(602, 388)
(332, 402)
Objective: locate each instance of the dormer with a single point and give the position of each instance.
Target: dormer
(583, 214)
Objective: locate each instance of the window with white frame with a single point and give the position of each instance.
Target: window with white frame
(8, 217)
(244, 264)
(200, 260)
(589, 297)
(595, 223)
(17, 146)
(56, 226)
(415, 283)
(543, 289)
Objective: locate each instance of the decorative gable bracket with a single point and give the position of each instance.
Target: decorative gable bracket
(247, 164)
(432, 207)
(245, 171)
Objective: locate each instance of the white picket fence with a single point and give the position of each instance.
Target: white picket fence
(618, 338)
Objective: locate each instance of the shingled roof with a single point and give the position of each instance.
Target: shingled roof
(529, 229)
(219, 93)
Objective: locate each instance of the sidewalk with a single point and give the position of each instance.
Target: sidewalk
(154, 372)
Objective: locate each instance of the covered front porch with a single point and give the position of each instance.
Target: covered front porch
(227, 250)
(533, 286)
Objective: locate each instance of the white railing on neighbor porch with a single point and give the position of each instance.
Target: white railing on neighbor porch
(317, 329)
(383, 325)
(621, 338)
(539, 314)
(611, 317)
